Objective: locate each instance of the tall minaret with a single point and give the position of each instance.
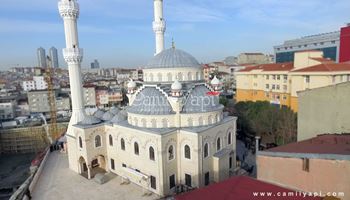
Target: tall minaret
(73, 55)
(159, 25)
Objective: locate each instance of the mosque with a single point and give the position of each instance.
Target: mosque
(172, 136)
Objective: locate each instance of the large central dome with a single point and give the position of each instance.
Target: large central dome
(173, 58)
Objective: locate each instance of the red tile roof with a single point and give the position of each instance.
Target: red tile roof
(326, 67)
(240, 188)
(270, 67)
(323, 60)
(322, 144)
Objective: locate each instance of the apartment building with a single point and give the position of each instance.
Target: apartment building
(280, 83)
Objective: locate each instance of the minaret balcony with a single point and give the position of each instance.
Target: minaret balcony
(73, 55)
(159, 26)
(68, 9)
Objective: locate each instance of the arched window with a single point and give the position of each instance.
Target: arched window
(200, 121)
(80, 142)
(151, 77)
(122, 144)
(151, 153)
(218, 144)
(210, 119)
(189, 76)
(187, 152)
(170, 77)
(229, 138)
(217, 117)
(171, 154)
(190, 122)
(206, 150)
(98, 141)
(165, 123)
(154, 123)
(180, 76)
(136, 121)
(110, 138)
(144, 123)
(197, 76)
(160, 77)
(136, 148)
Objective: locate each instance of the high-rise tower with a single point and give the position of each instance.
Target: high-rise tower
(159, 25)
(41, 57)
(54, 57)
(73, 55)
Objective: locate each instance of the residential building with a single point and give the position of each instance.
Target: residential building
(279, 83)
(320, 164)
(38, 83)
(39, 103)
(89, 95)
(253, 58)
(334, 45)
(41, 57)
(244, 188)
(101, 96)
(7, 110)
(324, 110)
(54, 57)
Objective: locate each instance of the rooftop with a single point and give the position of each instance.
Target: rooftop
(240, 187)
(322, 144)
(57, 181)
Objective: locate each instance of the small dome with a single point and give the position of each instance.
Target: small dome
(215, 81)
(99, 113)
(89, 120)
(107, 116)
(123, 112)
(114, 110)
(173, 58)
(131, 84)
(119, 118)
(176, 85)
(199, 102)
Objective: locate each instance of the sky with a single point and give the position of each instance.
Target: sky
(119, 32)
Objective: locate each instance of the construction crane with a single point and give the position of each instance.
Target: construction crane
(49, 74)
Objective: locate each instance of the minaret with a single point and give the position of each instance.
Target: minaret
(159, 25)
(73, 55)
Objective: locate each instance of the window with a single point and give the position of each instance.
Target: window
(200, 121)
(172, 181)
(305, 45)
(170, 77)
(80, 142)
(112, 164)
(267, 86)
(153, 182)
(151, 153)
(277, 87)
(206, 178)
(94, 163)
(110, 140)
(123, 165)
(273, 86)
(274, 77)
(154, 123)
(285, 87)
(187, 152)
(190, 122)
(278, 77)
(306, 164)
(333, 42)
(307, 79)
(229, 138)
(322, 43)
(188, 180)
(267, 77)
(122, 144)
(230, 162)
(206, 150)
(171, 152)
(334, 79)
(98, 141)
(136, 148)
(218, 144)
(348, 77)
(165, 123)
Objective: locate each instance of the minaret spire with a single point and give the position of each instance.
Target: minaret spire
(159, 25)
(73, 55)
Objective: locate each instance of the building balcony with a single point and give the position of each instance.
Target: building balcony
(69, 9)
(73, 55)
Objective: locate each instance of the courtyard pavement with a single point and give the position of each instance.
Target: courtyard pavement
(58, 182)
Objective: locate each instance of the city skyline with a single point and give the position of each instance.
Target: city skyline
(210, 31)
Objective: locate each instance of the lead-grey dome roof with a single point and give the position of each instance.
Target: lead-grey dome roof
(107, 116)
(150, 101)
(99, 113)
(119, 118)
(199, 101)
(173, 58)
(89, 120)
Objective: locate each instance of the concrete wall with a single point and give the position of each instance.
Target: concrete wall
(323, 175)
(324, 110)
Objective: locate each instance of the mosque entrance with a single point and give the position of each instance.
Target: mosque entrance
(83, 169)
(98, 165)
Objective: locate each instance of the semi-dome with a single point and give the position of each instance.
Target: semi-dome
(114, 110)
(107, 116)
(119, 118)
(89, 120)
(199, 101)
(99, 113)
(150, 101)
(173, 58)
